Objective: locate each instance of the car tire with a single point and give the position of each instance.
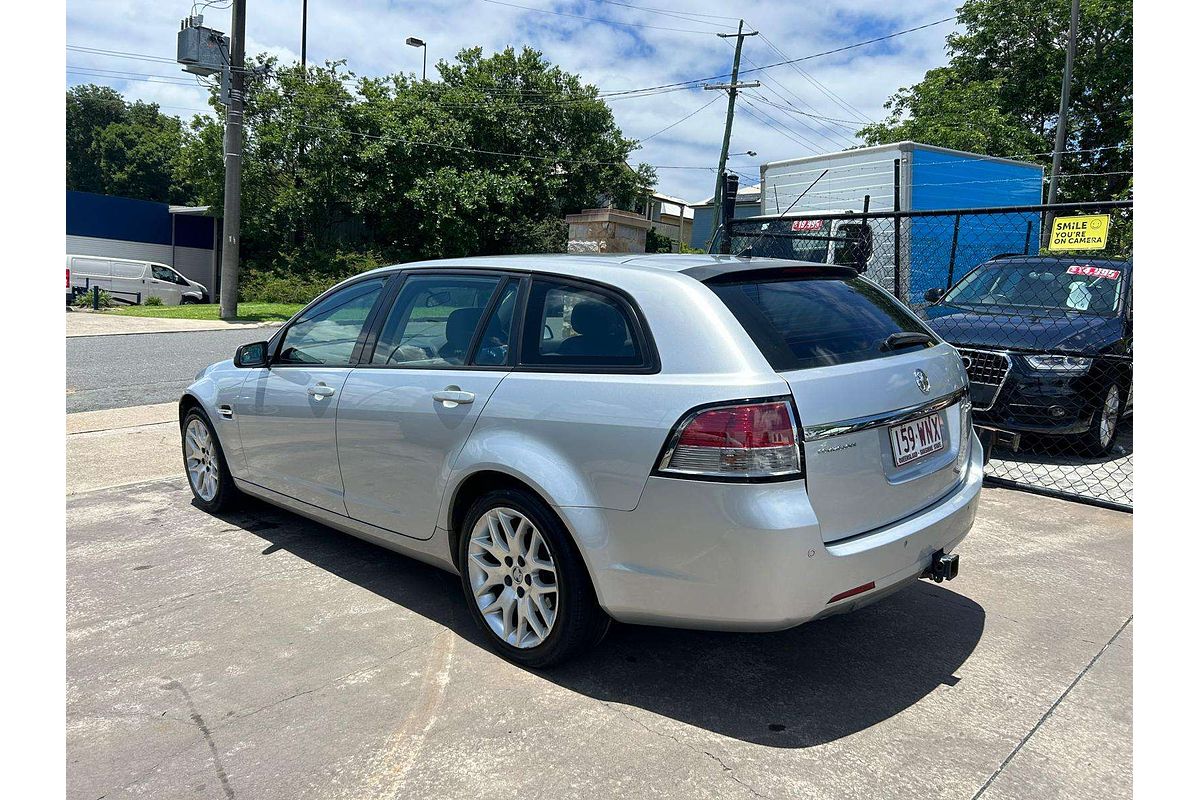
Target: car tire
(1101, 434)
(188, 301)
(204, 464)
(508, 596)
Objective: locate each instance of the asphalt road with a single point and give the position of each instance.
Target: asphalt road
(139, 369)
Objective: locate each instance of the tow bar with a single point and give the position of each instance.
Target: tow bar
(942, 567)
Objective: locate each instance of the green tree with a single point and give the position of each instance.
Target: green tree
(130, 150)
(488, 159)
(90, 109)
(1000, 91)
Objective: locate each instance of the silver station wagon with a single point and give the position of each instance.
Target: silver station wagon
(689, 441)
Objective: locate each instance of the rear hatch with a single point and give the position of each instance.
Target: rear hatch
(882, 424)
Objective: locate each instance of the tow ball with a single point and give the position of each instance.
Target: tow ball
(942, 567)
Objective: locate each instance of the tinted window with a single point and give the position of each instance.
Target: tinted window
(327, 332)
(493, 344)
(433, 320)
(815, 322)
(573, 326)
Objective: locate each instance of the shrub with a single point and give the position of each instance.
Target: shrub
(299, 277)
(84, 300)
(154, 300)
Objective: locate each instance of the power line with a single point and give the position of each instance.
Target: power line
(843, 123)
(768, 85)
(832, 95)
(853, 46)
(685, 15)
(678, 121)
(597, 19)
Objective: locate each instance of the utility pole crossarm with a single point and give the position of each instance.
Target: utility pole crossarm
(708, 87)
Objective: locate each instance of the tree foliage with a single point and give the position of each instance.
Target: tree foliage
(121, 148)
(999, 94)
(488, 159)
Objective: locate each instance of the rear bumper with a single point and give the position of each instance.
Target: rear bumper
(750, 557)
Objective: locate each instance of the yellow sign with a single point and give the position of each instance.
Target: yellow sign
(1080, 233)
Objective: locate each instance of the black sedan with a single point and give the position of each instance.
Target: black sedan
(1047, 342)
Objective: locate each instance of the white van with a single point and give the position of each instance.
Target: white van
(130, 281)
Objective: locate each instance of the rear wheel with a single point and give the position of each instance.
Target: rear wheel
(1101, 435)
(204, 462)
(525, 583)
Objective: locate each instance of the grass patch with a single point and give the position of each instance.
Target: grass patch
(246, 312)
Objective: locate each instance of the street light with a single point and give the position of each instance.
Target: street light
(413, 41)
(750, 153)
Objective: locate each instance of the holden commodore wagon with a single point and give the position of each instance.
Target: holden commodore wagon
(690, 441)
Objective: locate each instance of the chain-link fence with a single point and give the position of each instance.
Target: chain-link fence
(1045, 333)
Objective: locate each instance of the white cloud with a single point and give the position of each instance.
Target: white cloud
(370, 34)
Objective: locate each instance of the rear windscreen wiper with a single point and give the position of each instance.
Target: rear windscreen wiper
(905, 339)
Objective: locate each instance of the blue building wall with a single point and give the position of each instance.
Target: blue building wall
(944, 181)
(105, 217)
(702, 222)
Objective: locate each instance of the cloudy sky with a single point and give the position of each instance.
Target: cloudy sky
(812, 107)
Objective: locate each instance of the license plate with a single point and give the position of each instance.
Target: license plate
(916, 439)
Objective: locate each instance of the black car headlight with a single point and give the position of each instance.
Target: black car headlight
(1062, 365)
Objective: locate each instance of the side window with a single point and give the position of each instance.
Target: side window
(327, 332)
(433, 320)
(493, 343)
(573, 326)
(128, 269)
(163, 274)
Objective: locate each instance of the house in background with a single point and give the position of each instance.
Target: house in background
(747, 205)
(670, 217)
(183, 237)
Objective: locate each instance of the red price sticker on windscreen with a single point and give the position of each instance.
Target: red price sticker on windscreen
(806, 224)
(1094, 272)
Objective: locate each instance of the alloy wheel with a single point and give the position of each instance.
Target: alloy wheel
(1109, 415)
(513, 577)
(200, 453)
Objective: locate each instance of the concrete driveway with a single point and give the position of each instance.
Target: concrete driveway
(260, 655)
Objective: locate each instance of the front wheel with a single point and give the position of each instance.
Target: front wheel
(204, 462)
(525, 583)
(1101, 435)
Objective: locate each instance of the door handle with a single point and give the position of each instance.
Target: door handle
(452, 396)
(320, 391)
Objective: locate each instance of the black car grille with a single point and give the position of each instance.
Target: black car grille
(987, 371)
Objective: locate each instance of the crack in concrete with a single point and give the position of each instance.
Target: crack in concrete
(726, 769)
(1053, 706)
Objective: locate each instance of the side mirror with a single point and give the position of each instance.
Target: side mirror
(251, 355)
(935, 294)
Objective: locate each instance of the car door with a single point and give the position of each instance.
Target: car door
(286, 410)
(406, 410)
(162, 282)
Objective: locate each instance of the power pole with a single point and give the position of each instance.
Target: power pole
(233, 163)
(1060, 139)
(304, 39)
(732, 88)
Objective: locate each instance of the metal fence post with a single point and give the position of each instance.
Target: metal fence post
(896, 288)
(953, 252)
(95, 298)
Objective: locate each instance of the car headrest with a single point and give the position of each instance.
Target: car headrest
(592, 318)
(460, 325)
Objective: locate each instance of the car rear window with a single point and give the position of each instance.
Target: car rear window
(800, 322)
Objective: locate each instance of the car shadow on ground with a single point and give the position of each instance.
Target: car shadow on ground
(798, 688)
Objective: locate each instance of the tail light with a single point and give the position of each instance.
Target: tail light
(739, 440)
(68, 277)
